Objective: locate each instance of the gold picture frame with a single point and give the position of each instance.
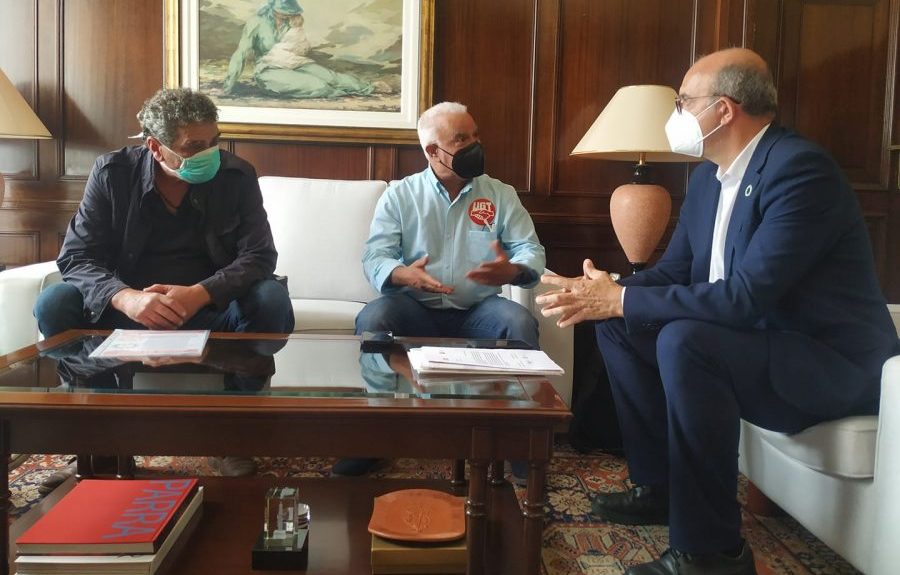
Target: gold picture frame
(269, 117)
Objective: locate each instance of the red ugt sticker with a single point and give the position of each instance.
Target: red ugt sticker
(482, 212)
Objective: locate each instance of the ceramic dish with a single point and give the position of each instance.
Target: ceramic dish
(418, 515)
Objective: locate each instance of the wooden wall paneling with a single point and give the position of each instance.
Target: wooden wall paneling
(112, 62)
(410, 160)
(764, 31)
(719, 24)
(836, 78)
(483, 52)
(841, 70)
(542, 173)
(384, 162)
(29, 236)
(308, 160)
(20, 248)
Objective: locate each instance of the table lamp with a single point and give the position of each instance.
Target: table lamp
(632, 128)
(17, 119)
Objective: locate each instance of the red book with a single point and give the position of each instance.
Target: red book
(109, 516)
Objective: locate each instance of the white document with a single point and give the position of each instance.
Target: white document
(139, 343)
(481, 360)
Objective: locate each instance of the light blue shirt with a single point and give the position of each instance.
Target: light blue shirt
(415, 217)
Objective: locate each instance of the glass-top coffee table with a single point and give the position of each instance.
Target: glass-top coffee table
(293, 395)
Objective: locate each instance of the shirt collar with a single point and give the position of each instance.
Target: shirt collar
(439, 187)
(739, 165)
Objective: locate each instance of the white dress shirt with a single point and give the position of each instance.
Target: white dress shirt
(730, 181)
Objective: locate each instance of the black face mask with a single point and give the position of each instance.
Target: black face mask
(468, 162)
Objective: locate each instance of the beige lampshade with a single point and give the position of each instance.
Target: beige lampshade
(632, 123)
(17, 119)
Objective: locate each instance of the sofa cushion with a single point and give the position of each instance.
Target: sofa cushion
(845, 447)
(325, 315)
(319, 227)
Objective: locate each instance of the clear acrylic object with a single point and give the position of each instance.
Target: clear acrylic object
(285, 516)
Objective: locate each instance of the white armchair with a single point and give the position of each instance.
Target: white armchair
(841, 479)
(19, 288)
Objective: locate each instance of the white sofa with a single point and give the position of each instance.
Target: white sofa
(319, 228)
(841, 479)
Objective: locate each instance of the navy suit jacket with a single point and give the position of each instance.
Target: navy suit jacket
(798, 265)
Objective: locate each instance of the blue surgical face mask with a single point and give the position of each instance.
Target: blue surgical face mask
(199, 168)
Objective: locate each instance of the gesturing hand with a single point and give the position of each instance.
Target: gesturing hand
(496, 273)
(152, 310)
(592, 296)
(415, 276)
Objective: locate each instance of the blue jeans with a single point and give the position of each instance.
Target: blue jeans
(265, 308)
(494, 318)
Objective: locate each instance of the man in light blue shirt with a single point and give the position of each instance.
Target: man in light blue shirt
(444, 241)
(442, 244)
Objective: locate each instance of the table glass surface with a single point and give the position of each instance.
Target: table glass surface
(294, 366)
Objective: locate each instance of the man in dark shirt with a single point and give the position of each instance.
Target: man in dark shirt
(169, 235)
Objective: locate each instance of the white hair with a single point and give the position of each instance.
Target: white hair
(427, 126)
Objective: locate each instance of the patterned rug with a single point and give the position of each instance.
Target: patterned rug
(574, 542)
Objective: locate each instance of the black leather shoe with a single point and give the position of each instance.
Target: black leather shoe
(674, 562)
(640, 505)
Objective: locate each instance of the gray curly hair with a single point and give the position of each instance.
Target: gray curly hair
(750, 86)
(169, 109)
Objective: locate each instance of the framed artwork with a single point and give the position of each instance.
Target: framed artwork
(335, 70)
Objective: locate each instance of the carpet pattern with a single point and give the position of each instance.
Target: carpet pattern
(574, 542)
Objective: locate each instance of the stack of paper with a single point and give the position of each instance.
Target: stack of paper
(130, 343)
(478, 360)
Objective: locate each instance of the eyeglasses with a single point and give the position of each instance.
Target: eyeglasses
(680, 100)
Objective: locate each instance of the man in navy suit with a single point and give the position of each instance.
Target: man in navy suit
(765, 306)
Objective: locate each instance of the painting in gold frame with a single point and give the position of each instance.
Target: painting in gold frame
(340, 71)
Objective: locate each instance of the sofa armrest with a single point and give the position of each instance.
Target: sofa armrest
(558, 343)
(886, 552)
(19, 289)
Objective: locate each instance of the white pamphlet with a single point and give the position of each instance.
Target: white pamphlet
(482, 360)
(139, 343)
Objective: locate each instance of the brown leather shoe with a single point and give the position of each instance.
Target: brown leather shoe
(640, 505)
(674, 562)
(232, 466)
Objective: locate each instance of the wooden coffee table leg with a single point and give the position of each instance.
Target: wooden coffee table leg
(533, 506)
(476, 515)
(476, 504)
